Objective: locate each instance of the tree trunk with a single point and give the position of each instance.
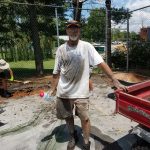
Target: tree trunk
(35, 37)
(77, 9)
(108, 32)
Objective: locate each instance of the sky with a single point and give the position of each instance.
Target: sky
(140, 18)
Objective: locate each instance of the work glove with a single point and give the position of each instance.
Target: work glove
(11, 79)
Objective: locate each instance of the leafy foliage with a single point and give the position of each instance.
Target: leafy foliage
(94, 29)
(119, 15)
(118, 59)
(140, 55)
(15, 39)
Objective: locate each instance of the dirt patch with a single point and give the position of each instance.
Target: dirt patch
(21, 89)
(131, 77)
(36, 84)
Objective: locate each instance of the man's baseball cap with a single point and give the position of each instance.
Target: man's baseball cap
(73, 23)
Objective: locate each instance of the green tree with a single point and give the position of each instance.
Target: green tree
(139, 55)
(94, 26)
(7, 28)
(35, 36)
(77, 5)
(119, 15)
(17, 41)
(134, 36)
(94, 29)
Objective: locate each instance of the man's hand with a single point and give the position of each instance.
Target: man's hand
(109, 73)
(52, 92)
(118, 85)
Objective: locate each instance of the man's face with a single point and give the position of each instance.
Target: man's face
(73, 32)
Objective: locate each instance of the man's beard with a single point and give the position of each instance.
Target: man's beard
(74, 38)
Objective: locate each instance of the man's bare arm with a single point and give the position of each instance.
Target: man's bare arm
(54, 83)
(11, 75)
(110, 74)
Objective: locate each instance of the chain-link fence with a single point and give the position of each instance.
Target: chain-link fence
(139, 45)
(33, 32)
(133, 40)
(30, 32)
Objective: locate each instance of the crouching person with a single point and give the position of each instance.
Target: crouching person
(5, 74)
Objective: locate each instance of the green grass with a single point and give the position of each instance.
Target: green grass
(49, 64)
(25, 69)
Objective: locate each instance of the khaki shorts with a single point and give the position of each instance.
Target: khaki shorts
(64, 108)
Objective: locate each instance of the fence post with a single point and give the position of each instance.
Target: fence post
(127, 67)
(57, 26)
(108, 32)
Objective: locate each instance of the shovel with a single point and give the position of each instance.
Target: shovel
(18, 81)
(24, 82)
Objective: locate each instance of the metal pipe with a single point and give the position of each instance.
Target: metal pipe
(57, 27)
(128, 36)
(108, 32)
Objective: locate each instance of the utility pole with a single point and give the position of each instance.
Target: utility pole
(108, 32)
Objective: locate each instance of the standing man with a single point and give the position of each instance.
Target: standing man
(5, 74)
(71, 77)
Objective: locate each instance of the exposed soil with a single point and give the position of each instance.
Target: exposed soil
(130, 77)
(34, 85)
(24, 114)
(27, 87)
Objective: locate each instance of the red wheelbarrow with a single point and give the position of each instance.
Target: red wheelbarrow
(135, 105)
